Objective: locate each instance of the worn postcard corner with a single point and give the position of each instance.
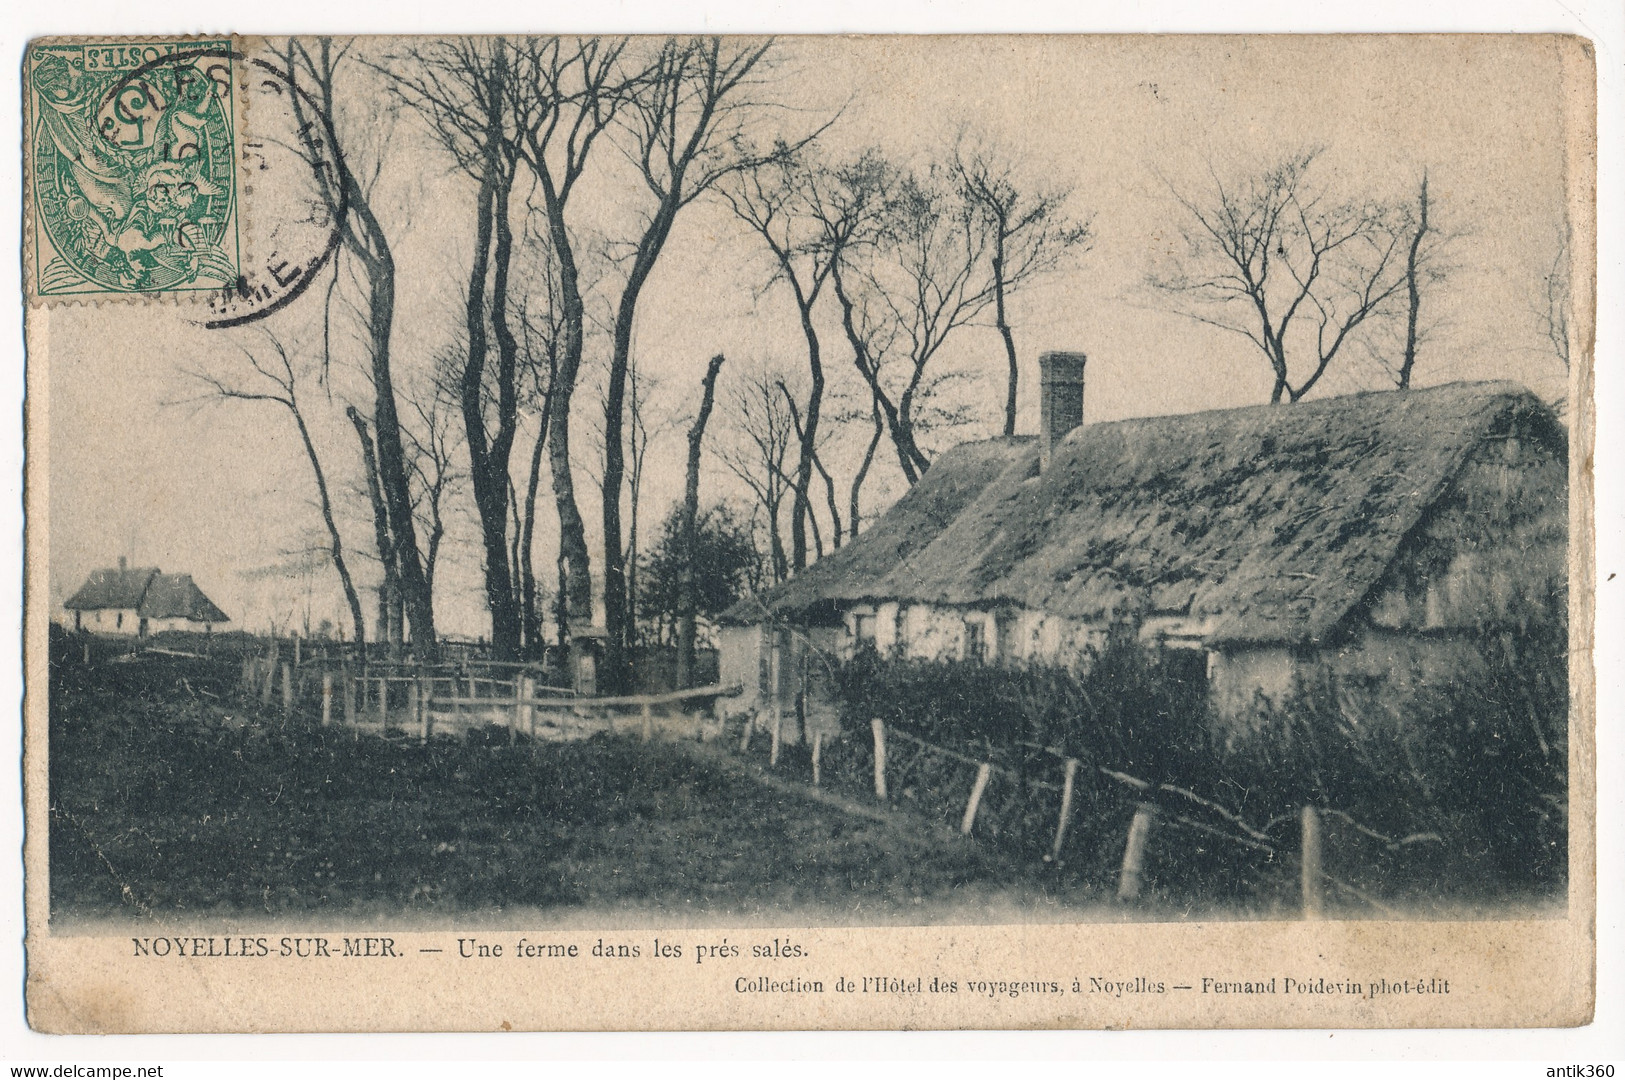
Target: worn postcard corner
(825, 532)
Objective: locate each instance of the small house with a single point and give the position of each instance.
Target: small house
(138, 601)
(1377, 536)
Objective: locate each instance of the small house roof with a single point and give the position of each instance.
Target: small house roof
(115, 587)
(176, 596)
(150, 592)
(1265, 525)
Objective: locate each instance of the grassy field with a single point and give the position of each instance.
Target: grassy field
(171, 800)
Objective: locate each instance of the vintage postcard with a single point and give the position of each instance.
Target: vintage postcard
(535, 533)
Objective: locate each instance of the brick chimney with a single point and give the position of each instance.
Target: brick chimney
(1060, 399)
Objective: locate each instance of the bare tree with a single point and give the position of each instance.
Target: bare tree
(761, 435)
(645, 423)
(1031, 232)
(1413, 284)
(808, 213)
(901, 302)
(276, 381)
(1278, 261)
(687, 600)
(1428, 266)
(347, 197)
(580, 86)
(808, 439)
(433, 444)
(542, 330)
(854, 515)
(685, 122)
(391, 626)
(478, 106)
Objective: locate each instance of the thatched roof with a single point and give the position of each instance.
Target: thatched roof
(1266, 525)
(176, 596)
(112, 588)
(152, 593)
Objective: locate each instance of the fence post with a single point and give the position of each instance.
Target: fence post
(1313, 884)
(778, 735)
(270, 678)
(750, 726)
(1054, 855)
(778, 702)
(383, 702)
(880, 757)
(349, 701)
(327, 698)
(414, 707)
(818, 746)
(425, 697)
(1139, 836)
(527, 712)
(801, 700)
(648, 722)
(297, 649)
(87, 652)
(287, 689)
(983, 772)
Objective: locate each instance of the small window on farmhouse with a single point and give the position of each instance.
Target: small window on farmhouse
(1186, 668)
(863, 631)
(975, 640)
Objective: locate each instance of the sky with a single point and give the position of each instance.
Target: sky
(140, 467)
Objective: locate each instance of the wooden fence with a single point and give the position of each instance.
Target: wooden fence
(1155, 803)
(426, 700)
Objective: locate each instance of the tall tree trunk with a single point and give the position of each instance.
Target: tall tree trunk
(902, 430)
(806, 437)
(1003, 324)
(687, 601)
(634, 490)
(575, 564)
(775, 545)
(1414, 288)
(336, 548)
(530, 617)
(488, 455)
(802, 506)
(506, 624)
(413, 585)
(835, 534)
(390, 587)
(654, 238)
(852, 515)
(868, 367)
(365, 239)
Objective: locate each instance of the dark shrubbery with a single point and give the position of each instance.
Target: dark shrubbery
(1126, 713)
(1468, 787)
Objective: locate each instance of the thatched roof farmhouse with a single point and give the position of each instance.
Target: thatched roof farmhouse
(1378, 533)
(141, 600)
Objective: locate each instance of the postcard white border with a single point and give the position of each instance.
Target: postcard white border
(1600, 20)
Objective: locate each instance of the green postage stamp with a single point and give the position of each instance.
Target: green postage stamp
(131, 167)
